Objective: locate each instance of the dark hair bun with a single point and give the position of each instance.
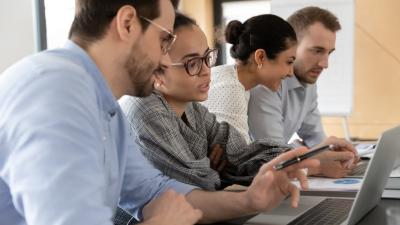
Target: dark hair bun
(233, 31)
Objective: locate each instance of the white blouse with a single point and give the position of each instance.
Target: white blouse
(228, 99)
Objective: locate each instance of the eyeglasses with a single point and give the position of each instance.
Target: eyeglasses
(166, 43)
(194, 65)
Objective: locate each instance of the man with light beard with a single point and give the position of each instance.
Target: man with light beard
(66, 155)
(294, 108)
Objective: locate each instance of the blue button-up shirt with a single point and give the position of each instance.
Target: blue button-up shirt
(66, 155)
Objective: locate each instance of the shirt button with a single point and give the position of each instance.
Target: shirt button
(104, 138)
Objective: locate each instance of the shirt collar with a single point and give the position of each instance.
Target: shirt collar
(293, 83)
(108, 102)
(188, 111)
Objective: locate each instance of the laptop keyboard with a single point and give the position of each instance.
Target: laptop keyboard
(329, 211)
(360, 169)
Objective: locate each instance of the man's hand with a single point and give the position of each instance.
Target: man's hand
(215, 158)
(337, 163)
(334, 164)
(170, 208)
(339, 144)
(270, 187)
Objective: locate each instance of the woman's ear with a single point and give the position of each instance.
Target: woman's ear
(158, 81)
(259, 56)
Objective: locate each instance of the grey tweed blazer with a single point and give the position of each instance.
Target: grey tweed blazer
(180, 150)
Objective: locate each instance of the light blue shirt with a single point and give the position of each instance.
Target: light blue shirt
(279, 115)
(66, 155)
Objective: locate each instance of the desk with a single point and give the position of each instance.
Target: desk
(374, 217)
(377, 215)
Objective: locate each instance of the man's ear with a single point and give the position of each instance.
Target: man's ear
(259, 56)
(127, 22)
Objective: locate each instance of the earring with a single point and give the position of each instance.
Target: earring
(157, 84)
(259, 66)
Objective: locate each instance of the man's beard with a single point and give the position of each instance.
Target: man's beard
(302, 76)
(140, 69)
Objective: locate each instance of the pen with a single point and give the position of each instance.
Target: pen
(298, 159)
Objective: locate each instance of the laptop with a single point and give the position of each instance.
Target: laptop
(361, 167)
(346, 210)
(365, 150)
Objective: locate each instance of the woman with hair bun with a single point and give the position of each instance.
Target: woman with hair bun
(264, 48)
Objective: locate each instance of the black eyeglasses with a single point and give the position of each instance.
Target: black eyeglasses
(194, 65)
(166, 43)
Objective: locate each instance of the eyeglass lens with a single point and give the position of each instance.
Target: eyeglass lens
(195, 65)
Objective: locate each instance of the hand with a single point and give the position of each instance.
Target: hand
(340, 144)
(215, 158)
(270, 187)
(332, 168)
(337, 163)
(170, 208)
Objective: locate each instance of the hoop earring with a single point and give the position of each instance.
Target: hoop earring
(259, 66)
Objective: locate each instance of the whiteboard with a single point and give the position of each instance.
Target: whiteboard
(335, 85)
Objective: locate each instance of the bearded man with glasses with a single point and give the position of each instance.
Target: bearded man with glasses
(66, 153)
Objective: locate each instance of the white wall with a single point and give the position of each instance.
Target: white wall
(16, 31)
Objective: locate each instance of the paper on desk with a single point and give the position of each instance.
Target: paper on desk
(392, 194)
(365, 149)
(328, 184)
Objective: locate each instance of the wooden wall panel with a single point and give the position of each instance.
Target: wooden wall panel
(202, 11)
(377, 71)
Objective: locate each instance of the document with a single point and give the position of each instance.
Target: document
(328, 184)
(365, 150)
(393, 183)
(391, 194)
